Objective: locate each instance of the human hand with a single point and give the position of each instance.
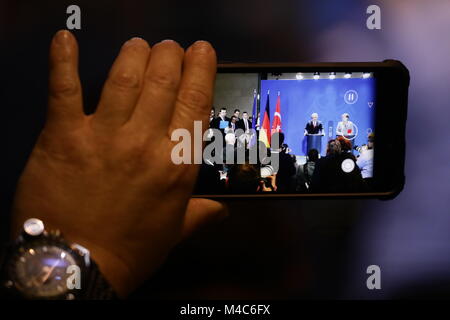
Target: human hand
(106, 180)
(273, 185)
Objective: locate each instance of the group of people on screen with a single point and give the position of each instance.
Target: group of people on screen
(339, 171)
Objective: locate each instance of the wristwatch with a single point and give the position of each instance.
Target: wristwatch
(40, 264)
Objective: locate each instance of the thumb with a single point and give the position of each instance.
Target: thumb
(200, 213)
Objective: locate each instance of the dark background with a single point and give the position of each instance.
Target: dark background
(268, 249)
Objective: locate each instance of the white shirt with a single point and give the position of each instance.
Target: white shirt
(342, 128)
(246, 125)
(365, 163)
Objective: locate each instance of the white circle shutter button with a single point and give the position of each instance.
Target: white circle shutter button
(33, 227)
(348, 165)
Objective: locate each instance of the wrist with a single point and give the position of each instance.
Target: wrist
(113, 269)
(37, 262)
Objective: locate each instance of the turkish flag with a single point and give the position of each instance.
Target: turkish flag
(276, 125)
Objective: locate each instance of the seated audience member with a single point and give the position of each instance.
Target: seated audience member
(208, 181)
(365, 160)
(229, 151)
(243, 178)
(247, 178)
(285, 176)
(337, 172)
(305, 172)
(346, 145)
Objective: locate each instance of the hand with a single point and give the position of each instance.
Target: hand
(273, 185)
(106, 180)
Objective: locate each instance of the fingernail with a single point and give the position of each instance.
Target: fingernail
(201, 46)
(62, 37)
(135, 41)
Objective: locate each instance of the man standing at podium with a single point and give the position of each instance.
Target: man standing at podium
(314, 133)
(314, 126)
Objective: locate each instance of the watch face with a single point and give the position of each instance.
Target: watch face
(41, 271)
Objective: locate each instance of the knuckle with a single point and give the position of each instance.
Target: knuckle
(163, 80)
(195, 98)
(64, 87)
(125, 79)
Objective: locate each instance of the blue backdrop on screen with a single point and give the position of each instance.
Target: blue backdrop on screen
(300, 98)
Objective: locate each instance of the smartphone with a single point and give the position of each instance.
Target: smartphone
(306, 130)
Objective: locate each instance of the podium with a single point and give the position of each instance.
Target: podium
(314, 141)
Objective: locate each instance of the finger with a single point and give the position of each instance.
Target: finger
(65, 105)
(200, 213)
(162, 77)
(123, 86)
(194, 98)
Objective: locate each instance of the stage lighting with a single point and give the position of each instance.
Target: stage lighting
(299, 76)
(316, 75)
(348, 75)
(332, 75)
(366, 75)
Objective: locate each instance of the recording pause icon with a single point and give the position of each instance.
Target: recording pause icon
(350, 97)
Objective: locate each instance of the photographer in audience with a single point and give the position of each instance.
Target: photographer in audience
(285, 176)
(305, 172)
(365, 160)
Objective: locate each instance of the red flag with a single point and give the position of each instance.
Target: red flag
(276, 125)
(264, 135)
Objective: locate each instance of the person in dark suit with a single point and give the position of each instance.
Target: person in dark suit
(237, 113)
(212, 115)
(245, 124)
(215, 123)
(232, 125)
(314, 126)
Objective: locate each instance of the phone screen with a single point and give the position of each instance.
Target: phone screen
(290, 133)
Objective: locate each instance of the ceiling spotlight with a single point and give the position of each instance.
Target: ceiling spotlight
(316, 75)
(299, 76)
(277, 75)
(366, 75)
(332, 75)
(348, 75)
